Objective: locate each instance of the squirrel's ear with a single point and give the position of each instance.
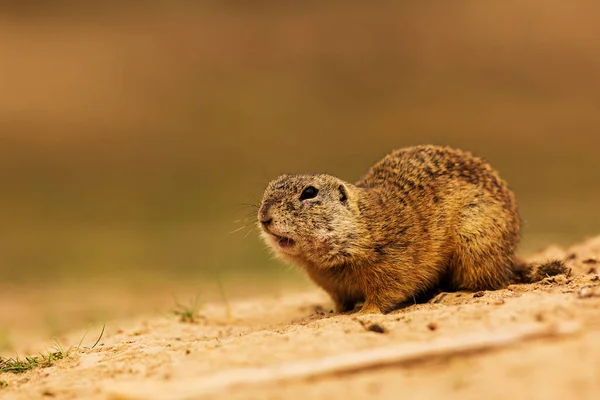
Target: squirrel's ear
(343, 195)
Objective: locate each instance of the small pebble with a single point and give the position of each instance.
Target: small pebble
(590, 261)
(439, 297)
(479, 294)
(498, 302)
(432, 326)
(585, 291)
(539, 317)
(376, 328)
(560, 279)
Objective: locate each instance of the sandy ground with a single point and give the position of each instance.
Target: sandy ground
(539, 341)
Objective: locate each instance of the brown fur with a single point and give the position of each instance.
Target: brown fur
(421, 219)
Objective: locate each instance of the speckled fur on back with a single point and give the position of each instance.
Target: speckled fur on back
(422, 218)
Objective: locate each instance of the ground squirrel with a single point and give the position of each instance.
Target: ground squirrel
(423, 218)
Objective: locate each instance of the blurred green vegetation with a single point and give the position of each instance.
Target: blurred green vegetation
(132, 140)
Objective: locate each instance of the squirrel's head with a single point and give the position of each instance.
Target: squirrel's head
(312, 219)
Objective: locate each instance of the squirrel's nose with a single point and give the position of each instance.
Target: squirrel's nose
(266, 222)
(264, 216)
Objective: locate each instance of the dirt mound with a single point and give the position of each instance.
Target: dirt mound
(525, 341)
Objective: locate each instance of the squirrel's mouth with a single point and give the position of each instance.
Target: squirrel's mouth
(284, 242)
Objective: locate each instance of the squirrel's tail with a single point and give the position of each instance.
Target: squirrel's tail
(524, 272)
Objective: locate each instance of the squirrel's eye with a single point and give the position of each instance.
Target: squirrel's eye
(309, 192)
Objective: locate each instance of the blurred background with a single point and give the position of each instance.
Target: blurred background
(135, 138)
